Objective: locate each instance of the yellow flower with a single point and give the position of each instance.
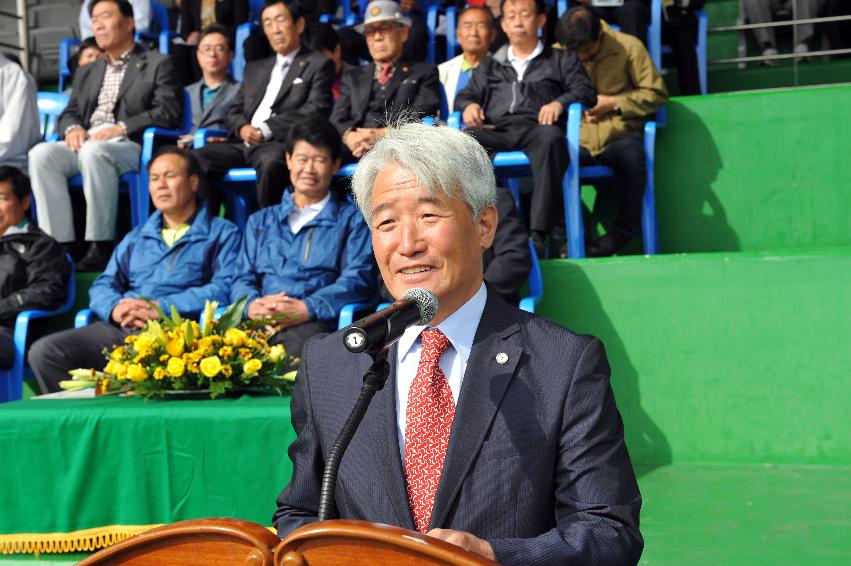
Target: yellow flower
(227, 371)
(252, 366)
(235, 337)
(226, 352)
(175, 347)
(118, 353)
(144, 345)
(176, 367)
(164, 358)
(113, 367)
(130, 339)
(245, 354)
(211, 366)
(276, 351)
(159, 373)
(137, 373)
(204, 346)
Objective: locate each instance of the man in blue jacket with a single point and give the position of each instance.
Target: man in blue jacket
(179, 258)
(305, 258)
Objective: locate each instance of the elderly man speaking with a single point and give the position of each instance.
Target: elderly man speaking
(497, 430)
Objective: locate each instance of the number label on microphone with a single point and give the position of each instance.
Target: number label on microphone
(354, 341)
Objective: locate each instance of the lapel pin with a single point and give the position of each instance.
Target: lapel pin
(501, 358)
(301, 63)
(404, 69)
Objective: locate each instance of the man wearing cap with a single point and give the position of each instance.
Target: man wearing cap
(378, 93)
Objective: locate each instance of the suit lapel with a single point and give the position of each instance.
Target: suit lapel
(384, 433)
(91, 89)
(135, 64)
(259, 83)
(294, 71)
(485, 383)
(400, 74)
(361, 95)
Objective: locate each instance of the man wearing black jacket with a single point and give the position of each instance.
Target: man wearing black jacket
(276, 93)
(517, 100)
(33, 267)
(389, 87)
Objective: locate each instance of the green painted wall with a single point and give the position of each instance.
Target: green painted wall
(731, 358)
(755, 171)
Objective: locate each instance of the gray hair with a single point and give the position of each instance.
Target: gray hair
(439, 157)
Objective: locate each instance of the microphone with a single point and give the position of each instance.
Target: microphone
(379, 330)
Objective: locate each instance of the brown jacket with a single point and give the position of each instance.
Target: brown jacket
(622, 69)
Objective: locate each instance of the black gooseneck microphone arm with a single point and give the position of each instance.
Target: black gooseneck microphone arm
(373, 382)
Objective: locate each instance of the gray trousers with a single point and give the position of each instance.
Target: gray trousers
(100, 163)
(52, 357)
(762, 12)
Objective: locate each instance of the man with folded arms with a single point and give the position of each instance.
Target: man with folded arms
(517, 99)
(497, 430)
(379, 93)
(113, 102)
(181, 257)
(276, 93)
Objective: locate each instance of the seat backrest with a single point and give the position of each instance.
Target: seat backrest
(196, 542)
(159, 17)
(50, 106)
(536, 278)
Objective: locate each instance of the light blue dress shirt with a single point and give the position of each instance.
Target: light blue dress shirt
(460, 328)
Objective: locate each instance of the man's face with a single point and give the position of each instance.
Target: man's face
(428, 241)
(283, 33)
(520, 22)
(171, 187)
(109, 27)
(12, 210)
(475, 32)
(385, 40)
(89, 55)
(588, 51)
(311, 169)
(214, 55)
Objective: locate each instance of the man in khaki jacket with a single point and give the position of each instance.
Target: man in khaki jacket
(629, 91)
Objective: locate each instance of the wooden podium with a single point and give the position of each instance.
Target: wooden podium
(223, 541)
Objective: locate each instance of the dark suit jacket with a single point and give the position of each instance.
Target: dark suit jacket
(213, 116)
(229, 13)
(414, 87)
(508, 261)
(536, 462)
(150, 94)
(306, 91)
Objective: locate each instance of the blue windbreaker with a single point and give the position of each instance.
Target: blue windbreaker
(200, 266)
(327, 264)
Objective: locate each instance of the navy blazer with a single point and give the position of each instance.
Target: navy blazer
(536, 463)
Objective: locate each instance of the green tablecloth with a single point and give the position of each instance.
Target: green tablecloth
(117, 464)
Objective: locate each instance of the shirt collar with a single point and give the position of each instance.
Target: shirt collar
(317, 206)
(122, 59)
(512, 58)
(20, 228)
(288, 58)
(459, 327)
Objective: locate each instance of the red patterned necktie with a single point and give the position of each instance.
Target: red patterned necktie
(428, 424)
(384, 73)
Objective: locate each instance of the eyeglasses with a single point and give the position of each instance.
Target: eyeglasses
(207, 49)
(380, 28)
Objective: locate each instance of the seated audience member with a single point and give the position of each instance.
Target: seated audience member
(19, 123)
(679, 30)
(196, 16)
(629, 91)
(276, 93)
(306, 257)
(633, 16)
(113, 102)
(475, 33)
(212, 96)
(517, 100)
(373, 95)
(141, 16)
(763, 11)
(87, 52)
(33, 268)
(415, 49)
(179, 258)
(322, 37)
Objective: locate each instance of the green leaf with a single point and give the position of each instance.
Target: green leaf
(233, 315)
(219, 388)
(290, 375)
(176, 319)
(209, 314)
(157, 308)
(188, 335)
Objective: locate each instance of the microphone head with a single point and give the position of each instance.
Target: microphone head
(426, 301)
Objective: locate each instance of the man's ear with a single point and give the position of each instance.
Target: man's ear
(487, 223)
(195, 183)
(406, 32)
(299, 25)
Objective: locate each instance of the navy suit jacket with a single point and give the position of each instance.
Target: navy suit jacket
(536, 463)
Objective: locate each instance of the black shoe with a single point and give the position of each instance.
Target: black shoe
(96, 258)
(608, 245)
(539, 242)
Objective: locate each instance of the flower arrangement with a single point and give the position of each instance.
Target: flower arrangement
(176, 354)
